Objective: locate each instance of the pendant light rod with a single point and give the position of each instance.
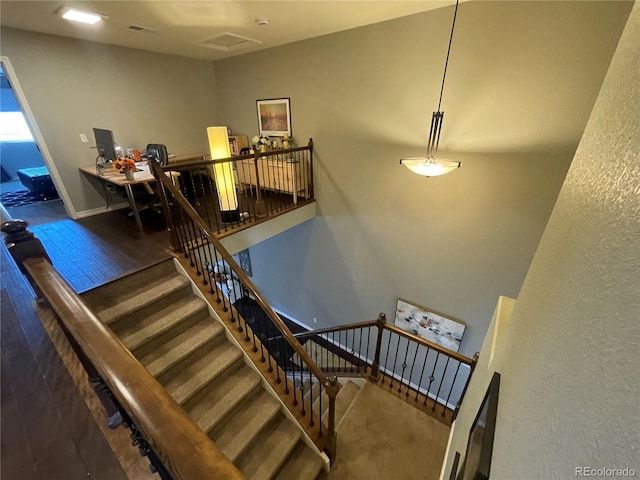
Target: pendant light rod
(432, 166)
(446, 63)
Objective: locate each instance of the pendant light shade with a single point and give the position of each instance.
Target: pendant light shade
(431, 165)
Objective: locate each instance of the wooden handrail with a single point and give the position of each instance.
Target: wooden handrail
(392, 328)
(256, 155)
(332, 390)
(184, 449)
(455, 355)
(351, 326)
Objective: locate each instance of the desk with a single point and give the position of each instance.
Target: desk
(143, 177)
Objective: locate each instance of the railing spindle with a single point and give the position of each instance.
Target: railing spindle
(395, 361)
(424, 365)
(415, 356)
(453, 382)
(404, 366)
(431, 378)
(444, 372)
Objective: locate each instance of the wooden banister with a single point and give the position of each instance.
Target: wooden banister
(184, 449)
(207, 161)
(332, 390)
(392, 328)
(351, 326)
(445, 351)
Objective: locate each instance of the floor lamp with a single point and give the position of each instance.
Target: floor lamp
(223, 174)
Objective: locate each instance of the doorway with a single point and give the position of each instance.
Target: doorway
(27, 189)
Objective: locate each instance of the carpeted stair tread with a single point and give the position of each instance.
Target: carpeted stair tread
(222, 396)
(345, 397)
(168, 328)
(154, 325)
(234, 434)
(194, 376)
(112, 293)
(268, 452)
(143, 297)
(164, 356)
(302, 464)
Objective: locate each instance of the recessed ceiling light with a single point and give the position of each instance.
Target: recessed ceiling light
(82, 16)
(262, 21)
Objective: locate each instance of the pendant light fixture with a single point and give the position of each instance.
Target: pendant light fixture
(431, 165)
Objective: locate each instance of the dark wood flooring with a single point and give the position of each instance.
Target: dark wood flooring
(47, 430)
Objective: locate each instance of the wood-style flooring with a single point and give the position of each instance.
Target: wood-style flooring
(48, 431)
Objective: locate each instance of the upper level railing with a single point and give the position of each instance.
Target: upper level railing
(429, 375)
(177, 448)
(263, 184)
(265, 336)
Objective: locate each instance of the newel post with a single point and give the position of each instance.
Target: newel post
(330, 443)
(310, 179)
(23, 244)
(164, 200)
(260, 207)
(375, 366)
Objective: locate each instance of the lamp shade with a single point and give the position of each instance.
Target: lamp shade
(223, 172)
(429, 167)
(218, 142)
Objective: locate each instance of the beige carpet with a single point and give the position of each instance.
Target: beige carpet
(381, 437)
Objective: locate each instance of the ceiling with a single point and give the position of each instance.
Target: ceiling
(177, 27)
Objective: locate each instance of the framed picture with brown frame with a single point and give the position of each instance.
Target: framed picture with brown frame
(274, 117)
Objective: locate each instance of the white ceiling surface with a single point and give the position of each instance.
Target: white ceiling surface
(181, 25)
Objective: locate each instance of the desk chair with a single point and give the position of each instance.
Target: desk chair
(158, 151)
(144, 191)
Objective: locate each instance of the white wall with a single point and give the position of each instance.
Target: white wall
(75, 85)
(522, 80)
(569, 353)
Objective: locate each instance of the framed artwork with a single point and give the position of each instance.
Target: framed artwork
(274, 117)
(477, 461)
(429, 325)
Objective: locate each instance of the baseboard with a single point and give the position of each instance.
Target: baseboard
(99, 210)
(297, 322)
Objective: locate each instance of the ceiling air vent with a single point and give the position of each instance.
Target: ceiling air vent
(227, 42)
(140, 28)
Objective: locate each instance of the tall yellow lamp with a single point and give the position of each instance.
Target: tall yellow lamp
(223, 174)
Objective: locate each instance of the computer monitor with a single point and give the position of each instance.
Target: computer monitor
(105, 144)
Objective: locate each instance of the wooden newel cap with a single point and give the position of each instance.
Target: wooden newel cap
(16, 231)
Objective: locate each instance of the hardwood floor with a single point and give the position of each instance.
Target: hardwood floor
(48, 430)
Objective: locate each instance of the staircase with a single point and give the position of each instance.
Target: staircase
(346, 395)
(169, 329)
